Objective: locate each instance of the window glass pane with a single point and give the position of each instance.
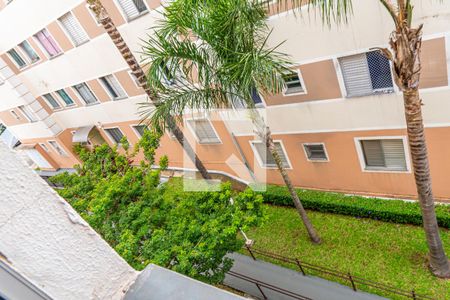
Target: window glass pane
(293, 83)
(65, 97)
(204, 131)
(73, 29)
(373, 153)
(85, 93)
(267, 158)
(140, 129)
(58, 148)
(113, 87)
(52, 101)
(48, 43)
(115, 134)
(17, 58)
(28, 113)
(256, 97)
(132, 8)
(26, 48)
(380, 70)
(316, 152)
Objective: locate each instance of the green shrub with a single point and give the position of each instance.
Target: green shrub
(396, 211)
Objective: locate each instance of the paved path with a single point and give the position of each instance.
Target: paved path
(287, 279)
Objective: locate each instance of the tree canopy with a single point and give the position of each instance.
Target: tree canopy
(147, 221)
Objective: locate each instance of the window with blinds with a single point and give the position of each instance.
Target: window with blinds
(140, 129)
(113, 87)
(52, 101)
(366, 74)
(115, 134)
(266, 157)
(133, 8)
(17, 58)
(384, 154)
(73, 29)
(204, 131)
(85, 93)
(315, 152)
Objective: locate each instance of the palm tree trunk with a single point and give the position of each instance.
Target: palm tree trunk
(439, 264)
(406, 45)
(264, 133)
(111, 29)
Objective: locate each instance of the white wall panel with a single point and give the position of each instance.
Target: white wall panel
(306, 38)
(34, 15)
(105, 113)
(91, 60)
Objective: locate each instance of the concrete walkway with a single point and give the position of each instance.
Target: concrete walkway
(287, 279)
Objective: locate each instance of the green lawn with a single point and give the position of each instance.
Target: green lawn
(384, 252)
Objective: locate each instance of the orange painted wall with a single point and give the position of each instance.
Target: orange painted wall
(128, 83)
(59, 35)
(321, 83)
(9, 62)
(98, 90)
(113, 12)
(9, 120)
(86, 20)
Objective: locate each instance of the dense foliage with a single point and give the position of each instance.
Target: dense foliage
(149, 222)
(396, 211)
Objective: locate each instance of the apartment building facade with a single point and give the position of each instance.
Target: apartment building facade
(339, 124)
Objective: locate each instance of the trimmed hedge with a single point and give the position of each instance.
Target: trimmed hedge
(396, 211)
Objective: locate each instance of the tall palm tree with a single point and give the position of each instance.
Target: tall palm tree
(405, 42)
(103, 17)
(214, 54)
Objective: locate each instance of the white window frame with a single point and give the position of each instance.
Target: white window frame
(68, 34)
(81, 98)
(26, 110)
(362, 161)
(135, 81)
(304, 145)
(133, 127)
(61, 100)
(110, 137)
(260, 160)
(45, 147)
(14, 114)
(341, 80)
(299, 74)
(56, 99)
(56, 150)
(192, 129)
(22, 56)
(27, 59)
(124, 15)
(38, 43)
(126, 96)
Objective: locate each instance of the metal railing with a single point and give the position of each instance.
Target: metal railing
(353, 281)
(259, 284)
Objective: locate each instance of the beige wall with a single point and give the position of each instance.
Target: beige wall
(434, 64)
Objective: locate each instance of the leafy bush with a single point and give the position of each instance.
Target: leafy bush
(148, 222)
(396, 211)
